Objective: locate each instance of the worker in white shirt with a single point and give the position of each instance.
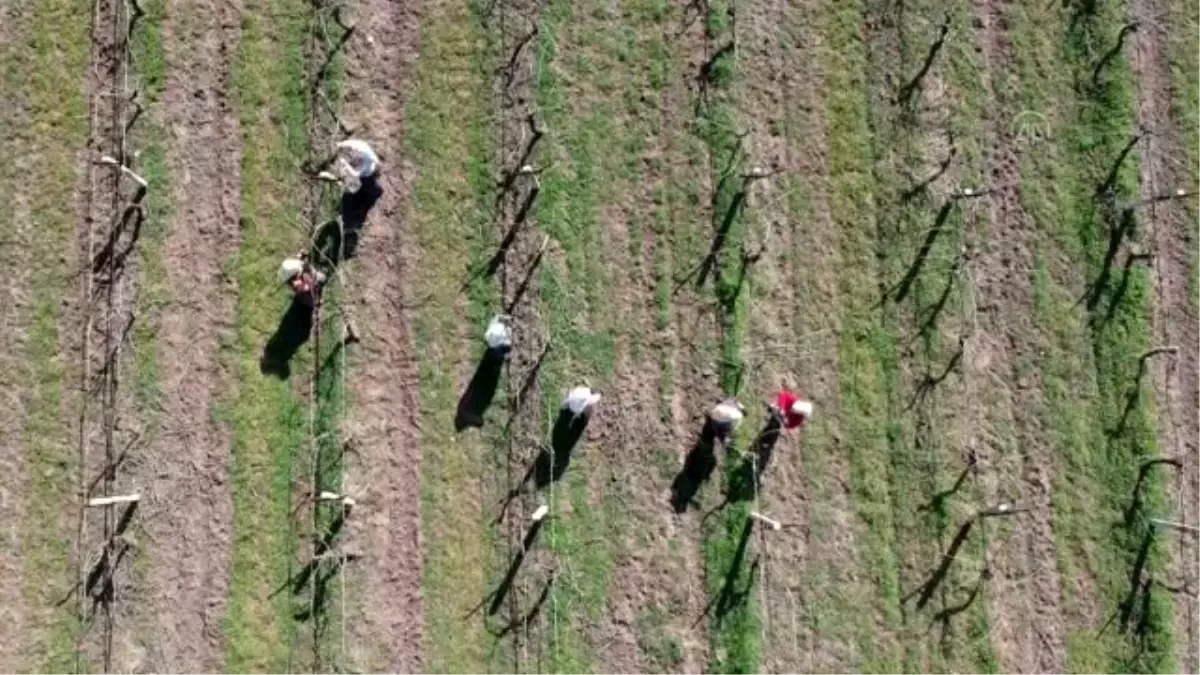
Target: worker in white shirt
(498, 336)
(355, 164)
(725, 418)
(581, 400)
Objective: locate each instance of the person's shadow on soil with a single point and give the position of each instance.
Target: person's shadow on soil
(731, 596)
(357, 206)
(294, 329)
(480, 391)
(698, 467)
(337, 240)
(746, 480)
(497, 596)
(551, 463)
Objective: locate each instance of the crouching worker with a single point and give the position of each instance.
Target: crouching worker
(498, 337)
(791, 409)
(304, 279)
(354, 165)
(581, 401)
(725, 417)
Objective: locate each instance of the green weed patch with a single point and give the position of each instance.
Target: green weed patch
(269, 415)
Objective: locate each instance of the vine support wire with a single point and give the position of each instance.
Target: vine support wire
(113, 82)
(85, 381)
(319, 132)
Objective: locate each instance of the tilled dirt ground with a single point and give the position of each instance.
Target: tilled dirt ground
(385, 469)
(647, 583)
(185, 463)
(1027, 617)
(14, 317)
(783, 96)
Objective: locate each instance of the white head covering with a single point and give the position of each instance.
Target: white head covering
(360, 157)
(802, 407)
(497, 335)
(580, 399)
(290, 268)
(727, 412)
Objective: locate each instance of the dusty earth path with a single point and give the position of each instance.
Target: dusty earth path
(804, 486)
(185, 465)
(1027, 617)
(656, 596)
(14, 317)
(384, 471)
(1172, 228)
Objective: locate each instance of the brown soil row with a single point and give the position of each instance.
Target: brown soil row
(1027, 619)
(15, 314)
(183, 469)
(1172, 228)
(691, 341)
(653, 606)
(385, 471)
(793, 345)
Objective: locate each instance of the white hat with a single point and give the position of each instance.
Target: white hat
(362, 160)
(290, 268)
(727, 412)
(497, 335)
(580, 399)
(804, 408)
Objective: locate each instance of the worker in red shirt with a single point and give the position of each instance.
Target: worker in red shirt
(792, 409)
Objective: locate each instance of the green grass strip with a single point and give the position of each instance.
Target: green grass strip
(1063, 354)
(926, 230)
(50, 72)
(1119, 314)
(734, 628)
(582, 178)
(864, 346)
(147, 137)
(269, 416)
(449, 141)
(324, 600)
(1088, 374)
(913, 462)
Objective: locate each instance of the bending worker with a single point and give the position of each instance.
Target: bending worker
(725, 418)
(355, 164)
(304, 279)
(792, 409)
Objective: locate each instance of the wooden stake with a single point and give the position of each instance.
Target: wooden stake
(1001, 510)
(124, 169)
(335, 497)
(106, 501)
(773, 524)
(1159, 522)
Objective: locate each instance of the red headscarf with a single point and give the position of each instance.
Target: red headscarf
(784, 400)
